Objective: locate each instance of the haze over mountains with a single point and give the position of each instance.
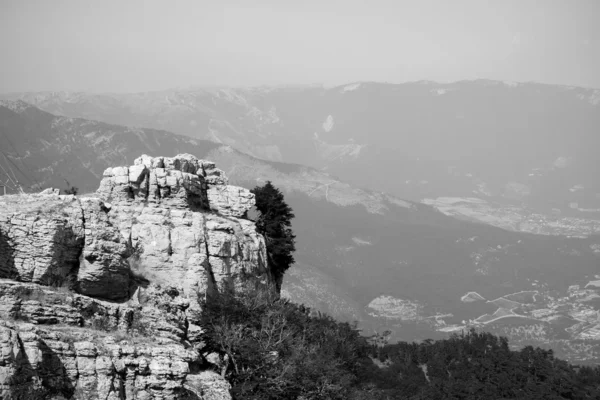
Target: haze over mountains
(441, 161)
(366, 249)
(513, 143)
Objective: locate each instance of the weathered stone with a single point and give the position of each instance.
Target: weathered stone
(41, 237)
(230, 200)
(82, 367)
(174, 236)
(159, 213)
(45, 306)
(50, 191)
(209, 385)
(103, 268)
(162, 235)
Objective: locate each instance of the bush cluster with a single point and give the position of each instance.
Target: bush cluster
(275, 349)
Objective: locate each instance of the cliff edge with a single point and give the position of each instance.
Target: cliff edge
(99, 295)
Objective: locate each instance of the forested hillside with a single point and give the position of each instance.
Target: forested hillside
(275, 349)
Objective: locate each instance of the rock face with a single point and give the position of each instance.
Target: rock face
(182, 222)
(83, 366)
(52, 240)
(178, 182)
(124, 270)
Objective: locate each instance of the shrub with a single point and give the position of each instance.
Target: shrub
(102, 323)
(71, 190)
(274, 349)
(27, 391)
(137, 325)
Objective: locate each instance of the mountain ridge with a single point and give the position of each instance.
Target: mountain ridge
(469, 138)
(302, 86)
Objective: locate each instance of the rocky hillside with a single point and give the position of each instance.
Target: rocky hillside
(99, 295)
(513, 143)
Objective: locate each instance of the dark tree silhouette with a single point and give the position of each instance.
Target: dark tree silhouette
(274, 223)
(72, 190)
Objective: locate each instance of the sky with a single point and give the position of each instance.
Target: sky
(144, 45)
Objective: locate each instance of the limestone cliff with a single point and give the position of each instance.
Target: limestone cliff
(99, 294)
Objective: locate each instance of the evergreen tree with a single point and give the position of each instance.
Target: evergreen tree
(72, 190)
(274, 223)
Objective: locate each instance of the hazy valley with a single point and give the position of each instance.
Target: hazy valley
(512, 143)
(368, 248)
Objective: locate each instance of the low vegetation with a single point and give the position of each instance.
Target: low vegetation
(70, 189)
(275, 349)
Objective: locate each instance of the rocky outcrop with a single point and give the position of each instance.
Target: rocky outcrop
(56, 341)
(181, 182)
(59, 240)
(182, 222)
(86, 365)
(175, 219)
(101, 293)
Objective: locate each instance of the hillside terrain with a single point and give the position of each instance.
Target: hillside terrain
(511, 144)
(390, 264)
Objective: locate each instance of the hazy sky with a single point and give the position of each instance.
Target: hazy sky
(135, 45)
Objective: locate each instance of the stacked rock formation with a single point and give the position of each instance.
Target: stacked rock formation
(157, 237)
(160, 207)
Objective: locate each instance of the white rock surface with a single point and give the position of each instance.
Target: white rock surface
(158, 236)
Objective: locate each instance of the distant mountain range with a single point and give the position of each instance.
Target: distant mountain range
(524, 144)
(363, 254)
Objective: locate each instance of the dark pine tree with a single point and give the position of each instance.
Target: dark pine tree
(71, 190)
(274, 223)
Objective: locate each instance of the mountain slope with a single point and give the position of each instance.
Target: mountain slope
(40, 149)
(364, 255)
(514, 143)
